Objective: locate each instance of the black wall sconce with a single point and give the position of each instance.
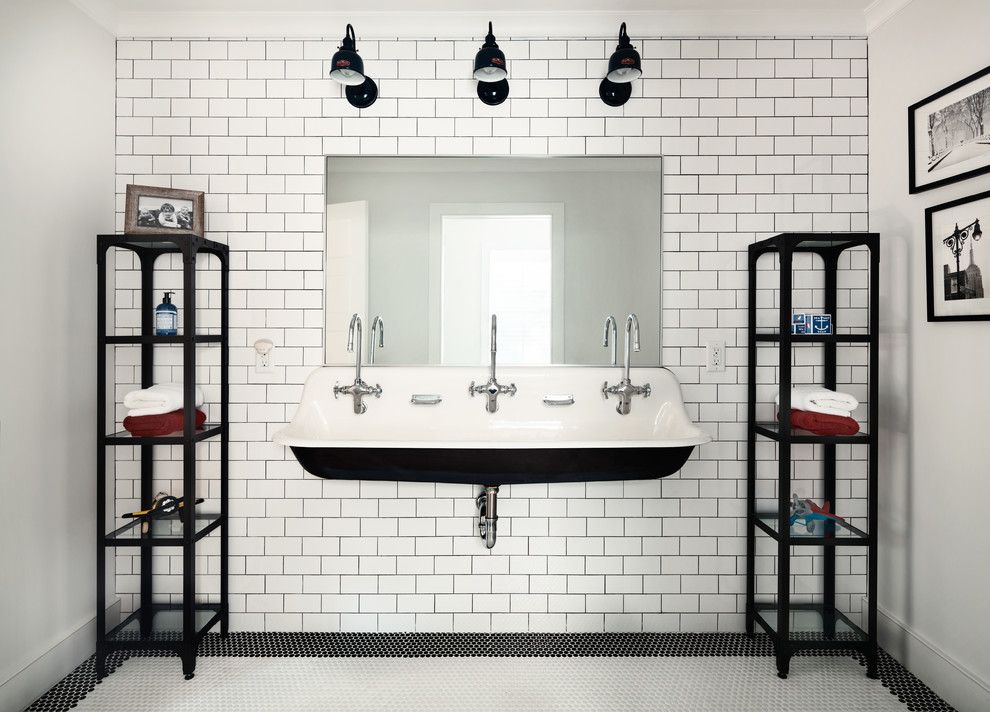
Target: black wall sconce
(624, 66)
(491, 71)
(348, 69)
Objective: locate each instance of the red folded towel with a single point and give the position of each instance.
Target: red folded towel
(148, 426)
(823, 423)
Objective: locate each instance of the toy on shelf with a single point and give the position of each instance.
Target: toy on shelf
(811, 513)
(162, 505)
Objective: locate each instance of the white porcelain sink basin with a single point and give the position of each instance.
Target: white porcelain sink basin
(530, 438)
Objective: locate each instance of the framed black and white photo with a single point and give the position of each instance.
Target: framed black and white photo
(150, 209)
(958, 259)
(949, 134)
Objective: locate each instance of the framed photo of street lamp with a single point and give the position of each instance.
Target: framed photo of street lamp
(958, 259)
(949, 134)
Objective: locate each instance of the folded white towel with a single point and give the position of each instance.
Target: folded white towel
(159, 399)
(821, 400)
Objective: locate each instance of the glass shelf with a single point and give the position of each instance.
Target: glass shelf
(159, 242)
(123, 437)
(167, 530)
(827, 531)
(841, 338)
(166, 624)
(808, 625)
(178, 339)
(813, 241)
(773, 431)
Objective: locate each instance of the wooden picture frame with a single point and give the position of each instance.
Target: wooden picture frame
(958, 259)
(151, 209)
(949, 134)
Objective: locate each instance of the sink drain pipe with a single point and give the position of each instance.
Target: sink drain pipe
(488, 515)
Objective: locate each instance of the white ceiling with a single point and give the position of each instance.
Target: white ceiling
(375, 19)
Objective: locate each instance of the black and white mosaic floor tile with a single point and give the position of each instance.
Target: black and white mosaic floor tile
(318, 671)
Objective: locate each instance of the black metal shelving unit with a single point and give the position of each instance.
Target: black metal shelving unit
(153, 625)
(794, 624)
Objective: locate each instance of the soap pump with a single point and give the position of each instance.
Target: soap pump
(166, 317)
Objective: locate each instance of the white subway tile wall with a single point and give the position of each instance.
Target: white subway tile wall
(759, 136)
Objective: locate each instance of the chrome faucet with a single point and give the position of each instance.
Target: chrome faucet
(626, 390)
(359, 389)
(610, 321)
(492, 388)
(377, 327)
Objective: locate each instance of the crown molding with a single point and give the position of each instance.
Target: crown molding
(104, 12)
(879, 11)
(472, 24)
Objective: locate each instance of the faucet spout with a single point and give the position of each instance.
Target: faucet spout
(494, 349)
(377, 328)
(610, 321)
(492, 389)
(355, 327)
(632, 331)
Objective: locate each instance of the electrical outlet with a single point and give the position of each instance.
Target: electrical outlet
(716, 356)
(265, 363)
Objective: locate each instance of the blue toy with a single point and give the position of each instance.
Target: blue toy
(810, 513)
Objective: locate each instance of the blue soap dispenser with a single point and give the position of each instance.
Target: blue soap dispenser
(167, 317)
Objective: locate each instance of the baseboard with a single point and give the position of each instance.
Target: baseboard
(41, 675)
(947, 677)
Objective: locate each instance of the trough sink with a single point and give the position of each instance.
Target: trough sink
(427, 427)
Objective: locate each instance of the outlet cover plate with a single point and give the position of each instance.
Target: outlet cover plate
(715, 356)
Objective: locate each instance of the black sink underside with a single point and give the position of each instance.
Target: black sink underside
(490, 466)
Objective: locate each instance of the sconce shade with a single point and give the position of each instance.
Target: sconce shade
(624, 66)
(489, 63)
(347, 68)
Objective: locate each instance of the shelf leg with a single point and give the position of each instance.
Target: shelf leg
(783, 661)
(189, 665)
(872, 665)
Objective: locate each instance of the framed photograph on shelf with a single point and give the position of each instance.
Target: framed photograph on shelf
(949, 134)
(150, 209)
(958, 259)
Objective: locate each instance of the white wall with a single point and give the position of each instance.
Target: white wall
(759, 136)
(56, 139)
(933, 569)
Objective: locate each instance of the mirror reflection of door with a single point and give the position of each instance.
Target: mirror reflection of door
(345, 275)
(496, 264)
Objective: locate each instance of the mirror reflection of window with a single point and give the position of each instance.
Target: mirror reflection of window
(510, 277)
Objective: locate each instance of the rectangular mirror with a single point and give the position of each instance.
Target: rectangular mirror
(433, 246)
